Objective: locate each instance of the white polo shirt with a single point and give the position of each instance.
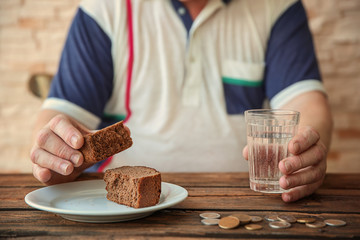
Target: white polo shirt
(183, 85)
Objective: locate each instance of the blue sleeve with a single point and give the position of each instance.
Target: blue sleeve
(85, 74)
(290, 55)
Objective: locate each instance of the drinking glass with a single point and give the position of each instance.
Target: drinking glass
(268, 134)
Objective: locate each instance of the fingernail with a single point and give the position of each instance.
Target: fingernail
(287, 198)
(64, 167)
(287, 182)
(296, 147)
(74, 139)
(287, 166)
(75, 158)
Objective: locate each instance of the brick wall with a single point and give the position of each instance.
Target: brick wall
(32, 33)
(336, 29)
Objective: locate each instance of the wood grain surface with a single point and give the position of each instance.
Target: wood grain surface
(224, 193)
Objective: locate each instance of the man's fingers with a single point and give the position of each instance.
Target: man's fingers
(306, 176)
(312, 156)
(65, 129)
(41, 174)
(300, 192)
(306, 137)
(50, 161)
(52, 143)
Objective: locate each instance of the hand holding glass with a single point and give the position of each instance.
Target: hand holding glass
(268, 134)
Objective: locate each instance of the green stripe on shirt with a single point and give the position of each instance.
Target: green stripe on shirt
(242, 82)
(117, 117)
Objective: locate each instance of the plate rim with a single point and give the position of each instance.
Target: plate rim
(182, 196)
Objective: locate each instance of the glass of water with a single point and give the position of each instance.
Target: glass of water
(268, 134)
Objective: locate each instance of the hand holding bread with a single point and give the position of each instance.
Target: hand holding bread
(57, 151)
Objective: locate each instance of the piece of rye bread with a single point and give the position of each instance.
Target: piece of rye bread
(105, 143)
(133, 186)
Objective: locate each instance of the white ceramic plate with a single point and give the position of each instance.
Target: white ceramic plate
(85, 201)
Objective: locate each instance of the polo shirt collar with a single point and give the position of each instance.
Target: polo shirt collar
(184, 14)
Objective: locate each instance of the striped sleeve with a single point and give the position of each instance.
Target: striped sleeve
(291, 64)
(84, 81)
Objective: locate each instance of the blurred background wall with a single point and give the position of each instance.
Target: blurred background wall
(32, 34)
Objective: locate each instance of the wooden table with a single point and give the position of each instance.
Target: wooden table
(225, 193)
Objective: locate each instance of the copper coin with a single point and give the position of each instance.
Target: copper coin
(253, 227)
(210, 221)
(280, 224)
(271, 218)
(287, 218)
(209, 215)
(335, 222)
(243, 218)
(306, 220)
(318, 224)
(229, 222)
(256, 219)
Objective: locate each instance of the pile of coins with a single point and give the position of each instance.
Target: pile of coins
(232, 221)
(275, 221)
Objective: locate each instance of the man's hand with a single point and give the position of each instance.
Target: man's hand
(55, 151)
(303, 172)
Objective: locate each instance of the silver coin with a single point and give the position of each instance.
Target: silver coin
(209, 215)
(335, 222)
(271, 218)
(210, 221)
(287, 218)
(280, 224)
(256, 219)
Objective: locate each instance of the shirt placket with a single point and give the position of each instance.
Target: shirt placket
(193, 73)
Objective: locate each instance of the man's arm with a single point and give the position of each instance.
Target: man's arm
(315, 111)
(305, 170)
(81, 88)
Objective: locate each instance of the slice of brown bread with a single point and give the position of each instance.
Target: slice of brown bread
(133, 186)
(105, 143)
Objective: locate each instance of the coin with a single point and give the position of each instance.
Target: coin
(318, 224)
(306, 220)
(256, 219)
(209, 215)
(287, 218)
(243, 218)
(229, 222)
(271, 218)
(210, 221)
(335, 222)
(280, 224)
(253, 227)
